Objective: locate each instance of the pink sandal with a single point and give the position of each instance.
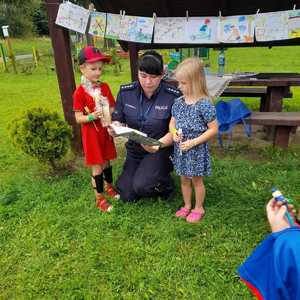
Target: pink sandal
(182, 212)
(195, 216)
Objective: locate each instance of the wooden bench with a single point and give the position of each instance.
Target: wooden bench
(259, 92)
(284, 123)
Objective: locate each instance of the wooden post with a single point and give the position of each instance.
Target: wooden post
(35, 57)
(3, 58)
(134, 56)
(11, 54)
(64, 69)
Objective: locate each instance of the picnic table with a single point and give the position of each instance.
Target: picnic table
(276, 85)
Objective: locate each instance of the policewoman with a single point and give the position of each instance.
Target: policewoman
(146, 105)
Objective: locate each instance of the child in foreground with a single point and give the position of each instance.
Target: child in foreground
(193, 124)
(272, 271)
(90, 100)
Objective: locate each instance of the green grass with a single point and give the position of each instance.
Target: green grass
(42, 44)
(54, 244)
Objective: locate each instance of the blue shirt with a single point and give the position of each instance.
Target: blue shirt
(150, 116)
(273, 268)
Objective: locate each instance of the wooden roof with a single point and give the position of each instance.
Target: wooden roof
(178, 8)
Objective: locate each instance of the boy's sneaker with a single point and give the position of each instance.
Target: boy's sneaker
(102, 204)
(111, 192)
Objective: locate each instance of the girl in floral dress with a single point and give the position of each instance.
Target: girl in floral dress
(193, 123)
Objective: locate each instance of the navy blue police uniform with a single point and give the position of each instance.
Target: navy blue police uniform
(145, 174)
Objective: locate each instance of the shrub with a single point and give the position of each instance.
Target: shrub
(41, 134)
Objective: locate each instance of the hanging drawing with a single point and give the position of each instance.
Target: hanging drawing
(73, 17)
(202, 30)
(97, 23)
(236, 29)
(294, 23)
(112, 26)
(170, 30)
(271, 26)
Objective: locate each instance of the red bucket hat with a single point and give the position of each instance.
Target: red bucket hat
(91, 54)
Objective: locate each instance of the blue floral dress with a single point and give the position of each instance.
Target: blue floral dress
(192, 119)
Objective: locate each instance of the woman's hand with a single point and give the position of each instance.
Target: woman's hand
(187, 145)
(110, 130)
(150, 149)
(276, 215)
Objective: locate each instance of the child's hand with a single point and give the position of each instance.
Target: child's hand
(276, 215)
(98, 114)
(177, 137)
(187, 145)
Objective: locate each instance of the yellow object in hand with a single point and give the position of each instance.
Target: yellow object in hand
(173, 130)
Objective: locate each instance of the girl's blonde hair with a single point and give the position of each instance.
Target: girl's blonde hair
(192, 70)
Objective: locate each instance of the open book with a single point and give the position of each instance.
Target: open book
(135, 135)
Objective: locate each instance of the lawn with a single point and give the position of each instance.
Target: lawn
(54, 244)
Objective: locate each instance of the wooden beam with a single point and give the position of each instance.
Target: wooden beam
(134, 56)
(64, 69)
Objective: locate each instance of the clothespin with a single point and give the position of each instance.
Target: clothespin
(294, 7)
(220, 15)
(187, 15)
(154, 17)
(123, 15)
(257, 12)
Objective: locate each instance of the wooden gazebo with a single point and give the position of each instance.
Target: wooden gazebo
(162, 8)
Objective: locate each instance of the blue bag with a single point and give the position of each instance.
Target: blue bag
(230, 113)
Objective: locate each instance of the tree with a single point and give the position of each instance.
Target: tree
(18, 15)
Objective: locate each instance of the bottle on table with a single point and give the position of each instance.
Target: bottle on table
(221, 62)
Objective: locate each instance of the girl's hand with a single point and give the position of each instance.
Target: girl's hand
(177, 137)
(150, 149)
(276, 215)
(187, 145)
(98, 114)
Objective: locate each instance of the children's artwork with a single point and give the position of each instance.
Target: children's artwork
(97, 24)
(127, 28)
(144, 29)
(73, 17)
(170, 30)
(294, 23)
(112, 26)
(202, 30)
(271, 26)
(236, 29)
(136, 29)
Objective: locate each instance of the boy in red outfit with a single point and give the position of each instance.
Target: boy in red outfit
(98, 145)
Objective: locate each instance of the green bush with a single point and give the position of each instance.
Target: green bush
(41, 134)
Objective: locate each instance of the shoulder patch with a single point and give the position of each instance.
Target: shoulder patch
(173, 91)
(130, 86)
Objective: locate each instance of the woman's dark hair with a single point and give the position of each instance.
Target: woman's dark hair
(151, 62)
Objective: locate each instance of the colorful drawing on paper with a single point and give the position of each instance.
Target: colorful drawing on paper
(127, 28)
(200, 30)
(170, 30)
(236, 29)
(144, 29)
(136, 29)
(294, 23)
(112, 26)
(271, 26)
(97, 24)
(73, 17)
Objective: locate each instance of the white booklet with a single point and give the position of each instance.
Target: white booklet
(135, 135)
